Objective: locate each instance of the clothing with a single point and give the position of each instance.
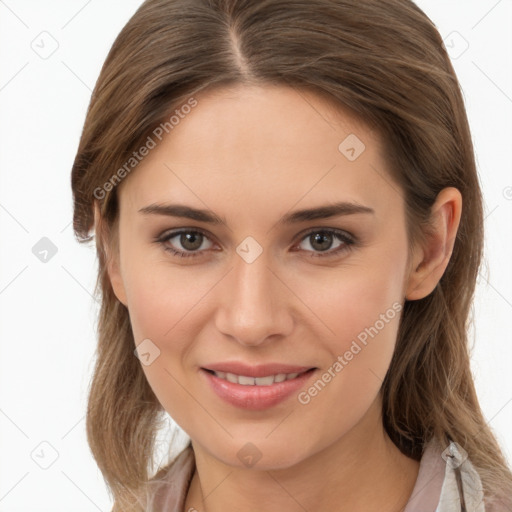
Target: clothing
(435, 490)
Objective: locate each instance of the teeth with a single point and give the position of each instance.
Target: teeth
(258, 381)
(264, 381)
(231, 377)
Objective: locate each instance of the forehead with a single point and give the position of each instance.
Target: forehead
(260, 147)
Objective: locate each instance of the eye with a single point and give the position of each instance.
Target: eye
(321, 241)
(191, 241)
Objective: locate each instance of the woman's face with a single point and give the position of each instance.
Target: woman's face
(273, 277)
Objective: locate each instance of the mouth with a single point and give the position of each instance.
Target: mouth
(267, 380)
(255, 388)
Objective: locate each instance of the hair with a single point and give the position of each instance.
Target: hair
(383, 60)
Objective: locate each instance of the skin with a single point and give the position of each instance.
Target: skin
(242, 155)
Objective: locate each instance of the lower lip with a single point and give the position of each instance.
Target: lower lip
(256, 397)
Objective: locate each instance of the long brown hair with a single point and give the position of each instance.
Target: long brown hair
(382, 59)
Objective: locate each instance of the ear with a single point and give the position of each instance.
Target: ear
(431, 260)
(108, 244)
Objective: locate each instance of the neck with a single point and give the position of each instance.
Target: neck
(362, 471)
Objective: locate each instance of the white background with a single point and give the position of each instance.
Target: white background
(47, 314)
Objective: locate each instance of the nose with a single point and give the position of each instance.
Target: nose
(253, 304)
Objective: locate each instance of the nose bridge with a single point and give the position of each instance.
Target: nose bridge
(252, 307)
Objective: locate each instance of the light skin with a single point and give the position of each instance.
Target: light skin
(251, 155)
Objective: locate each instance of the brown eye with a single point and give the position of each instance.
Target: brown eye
(191, 241)
(322, 240)
(188, 242)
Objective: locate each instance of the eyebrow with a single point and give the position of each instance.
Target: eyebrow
(320, 212)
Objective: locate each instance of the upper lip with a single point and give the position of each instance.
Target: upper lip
(261, 370)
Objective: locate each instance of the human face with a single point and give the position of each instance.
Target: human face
(256, 288)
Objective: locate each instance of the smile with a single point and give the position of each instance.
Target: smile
(245, 380)
(257, 392)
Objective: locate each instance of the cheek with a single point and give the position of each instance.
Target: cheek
(355, 360)
(361, 307)
(361, 296)
(160, 297)
(362, 316)
(164, 310)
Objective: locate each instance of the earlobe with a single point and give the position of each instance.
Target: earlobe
(434, 257)
(108, 245)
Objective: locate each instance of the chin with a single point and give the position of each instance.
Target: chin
(264, 455)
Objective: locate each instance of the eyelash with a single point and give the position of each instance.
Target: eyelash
(348, 242)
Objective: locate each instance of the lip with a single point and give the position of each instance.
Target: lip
(256, 398)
